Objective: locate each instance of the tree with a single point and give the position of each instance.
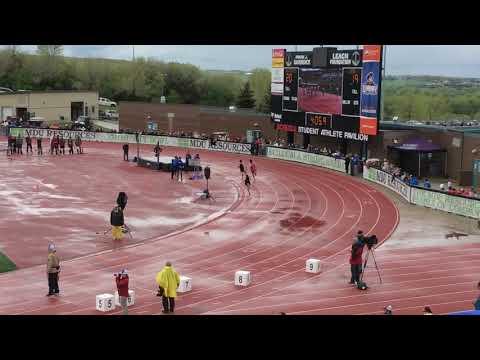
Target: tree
(245, 99)
(266, 104)
(260, 81)
(50, 50)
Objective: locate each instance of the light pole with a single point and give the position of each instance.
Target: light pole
(134, 70)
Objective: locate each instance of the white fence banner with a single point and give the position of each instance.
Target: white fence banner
(306, 158)
(383, 178)
(444, 202)
(225, 146)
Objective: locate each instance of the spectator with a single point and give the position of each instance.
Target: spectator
(347, 163)
(168, 281)
(449, 184)
(388, 310)
(413, 181)
(426, 184)
(442, 187)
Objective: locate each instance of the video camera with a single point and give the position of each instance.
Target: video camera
(370, 241)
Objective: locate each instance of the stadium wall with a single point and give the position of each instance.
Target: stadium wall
(193, 118)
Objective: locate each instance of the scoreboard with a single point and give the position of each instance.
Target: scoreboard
(351, 91)
(290, 90)
(328, 92)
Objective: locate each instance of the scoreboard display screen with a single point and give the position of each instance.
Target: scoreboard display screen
(352, 78)
(330, 92)
(290, 89)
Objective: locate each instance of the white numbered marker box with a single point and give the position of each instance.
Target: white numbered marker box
(105, 302)
(185, 284)
(243, 278)
(313, 266)
(130, 299)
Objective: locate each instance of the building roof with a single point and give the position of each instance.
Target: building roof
(47, 92)
(390, 125)
(419, 145)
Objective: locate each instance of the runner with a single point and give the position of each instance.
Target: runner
(57, 145)
(70, 145)
(78, 144)
(28, 140)
(62, 145)
(247, 183)
(253, 169)
(52, 145)
(242, 169)
(39, 146)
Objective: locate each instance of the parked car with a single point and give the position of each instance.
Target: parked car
(106, 102)
(82, 123)
(111, 114)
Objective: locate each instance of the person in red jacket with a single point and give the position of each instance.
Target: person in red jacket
(356, 258)
(122, 287)
(253, 169)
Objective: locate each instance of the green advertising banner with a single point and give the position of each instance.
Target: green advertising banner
(306, 158)
(444, 202)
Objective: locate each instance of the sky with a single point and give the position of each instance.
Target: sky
(442, 60)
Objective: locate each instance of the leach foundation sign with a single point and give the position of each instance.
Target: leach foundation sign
(306, 158)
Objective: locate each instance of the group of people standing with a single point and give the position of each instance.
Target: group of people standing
(177, 167)
(57, 145)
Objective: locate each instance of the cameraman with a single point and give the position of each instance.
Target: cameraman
(356, 258)
(122, 286)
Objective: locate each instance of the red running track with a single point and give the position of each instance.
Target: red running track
(295, 212)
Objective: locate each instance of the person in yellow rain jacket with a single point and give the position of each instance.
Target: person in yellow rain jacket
(168, 281)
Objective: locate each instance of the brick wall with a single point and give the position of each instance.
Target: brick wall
(193, 118)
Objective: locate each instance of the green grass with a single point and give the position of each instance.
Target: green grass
(6, 264)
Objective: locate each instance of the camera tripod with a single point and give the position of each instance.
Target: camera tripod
(370, 251)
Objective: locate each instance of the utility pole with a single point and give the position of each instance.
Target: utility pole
(384, 63)
(134, 69)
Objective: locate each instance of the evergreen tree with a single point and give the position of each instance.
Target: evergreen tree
(245, 99)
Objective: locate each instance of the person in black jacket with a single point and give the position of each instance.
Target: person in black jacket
(28, 140)
(117, 222)
(122, 200)
(125, 152)
(70, 145)
(39, 146)
(347, 163)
